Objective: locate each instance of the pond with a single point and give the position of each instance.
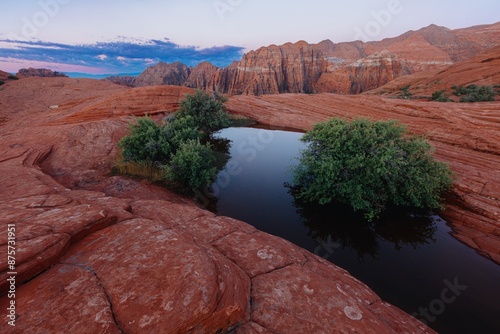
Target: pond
(409, 260)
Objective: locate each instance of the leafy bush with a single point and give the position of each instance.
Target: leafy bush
(1, 82)
(368, 165)
(207, 111)
(180, 130)
(193, 165)
(175, 147)
(474, 93)
(440, 96)
(145, 143)
(12, 77)
(405, 93)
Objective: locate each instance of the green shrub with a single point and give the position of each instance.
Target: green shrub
(440, 96)
(12, 77)
(179, 130)
(146, 142)
(175, 147)
(192, 165)
(474, 93)
(207, 111)
(458, 90)
(1, 82)
(405, 93)
(368, 165)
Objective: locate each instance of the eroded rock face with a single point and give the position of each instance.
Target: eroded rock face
(363, 75)
(202, 76)
(327, 67)
(106, 254)
(481, 69)
(163, 74)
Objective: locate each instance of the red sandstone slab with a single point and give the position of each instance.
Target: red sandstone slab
(259, 252)
(295, 299)
(211, 228)
(65, 299)
(161, 281)
(169, 214)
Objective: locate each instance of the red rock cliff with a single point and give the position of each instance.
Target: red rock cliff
(346, 68)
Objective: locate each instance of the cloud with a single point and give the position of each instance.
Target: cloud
(121, 56)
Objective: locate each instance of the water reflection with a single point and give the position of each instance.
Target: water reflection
(207, 197)
(221, 148)
(336, 226)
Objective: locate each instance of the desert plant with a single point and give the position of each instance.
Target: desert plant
(207, 111)
(405, 93)
(368, 165)
(12, 77)
(179, 130)
(458, 90)
(474, 93)
(1, 82)
(146, 142)
(175, 147)
(440, 96)
(193, 165)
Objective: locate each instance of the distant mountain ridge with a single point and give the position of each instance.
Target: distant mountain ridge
(343, 68)
(39, 72)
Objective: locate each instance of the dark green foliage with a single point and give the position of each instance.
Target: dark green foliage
(369, 165)
(207, 111)
(180, 130)
(1, 82)
(192, 165)
(496, 88)
(474, 93)
(12, 77)
(458, 90)
(440, 96)
(145, 143)
(175, 147)
(405, 93)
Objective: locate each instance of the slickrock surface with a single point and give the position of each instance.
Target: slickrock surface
(108, 254)
(466, 136)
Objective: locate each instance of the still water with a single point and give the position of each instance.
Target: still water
(409, 260)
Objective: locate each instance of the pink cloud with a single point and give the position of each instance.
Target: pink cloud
(13, 65)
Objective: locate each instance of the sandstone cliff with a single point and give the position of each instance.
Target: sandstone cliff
(363, 75)
(327, 67)
(163, 74)
(39, 72)
(203, 77)
(482, 69)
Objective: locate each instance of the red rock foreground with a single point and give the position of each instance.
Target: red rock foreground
(103, 254)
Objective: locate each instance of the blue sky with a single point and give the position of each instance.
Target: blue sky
(125, 36)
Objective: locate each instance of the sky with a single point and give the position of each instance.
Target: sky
(126, 36)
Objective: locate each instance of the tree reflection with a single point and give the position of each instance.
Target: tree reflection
(338, 226)
(207, 197)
